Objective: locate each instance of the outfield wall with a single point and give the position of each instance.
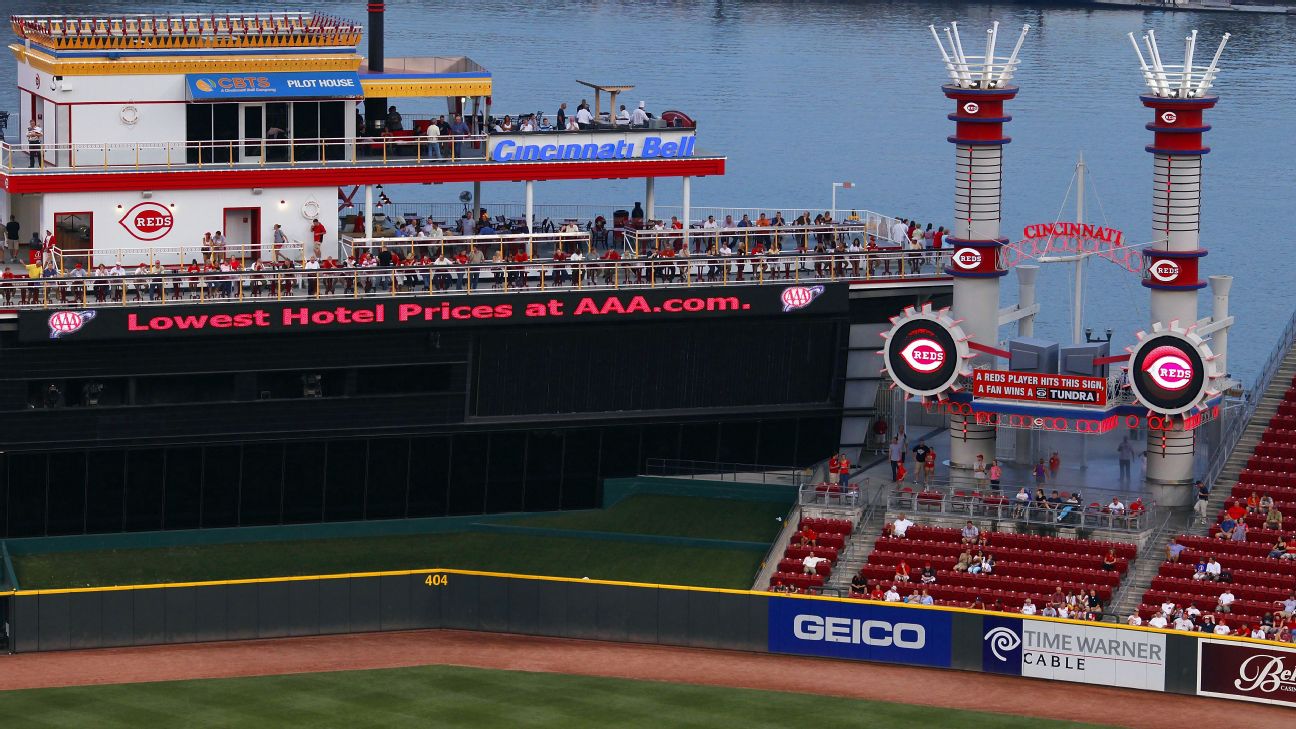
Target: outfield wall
(1043, 648)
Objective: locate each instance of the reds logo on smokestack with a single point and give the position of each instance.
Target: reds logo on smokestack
(968, 259)
(1164, 270)
(148, 221)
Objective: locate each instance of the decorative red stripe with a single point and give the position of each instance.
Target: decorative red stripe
(988, 349)
(1112, 359)
(342, 175)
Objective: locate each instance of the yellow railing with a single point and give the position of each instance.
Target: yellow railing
(172, 286)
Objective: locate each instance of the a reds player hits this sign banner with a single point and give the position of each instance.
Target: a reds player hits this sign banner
(1036, 387)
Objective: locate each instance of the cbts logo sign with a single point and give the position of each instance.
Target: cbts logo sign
(1164, 270)
(799, 297)
(859, 632)
(968, 259)
(1069, 652)
(1169, 368)
(148, 221)
(923, 355)
(1249, 672)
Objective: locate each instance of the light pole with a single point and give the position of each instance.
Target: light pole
(835, 185)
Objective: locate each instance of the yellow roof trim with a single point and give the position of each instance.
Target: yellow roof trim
(415, 87)
(181, 64)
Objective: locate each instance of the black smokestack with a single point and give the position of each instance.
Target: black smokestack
(375, 109)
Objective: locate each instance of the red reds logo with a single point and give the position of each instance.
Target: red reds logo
(971, 107)
(967, 258)
(923, 355)
(1169, 117)
(799, 297)
(1164, 271)
(1168, 368)
(68, 322)
(148, 221)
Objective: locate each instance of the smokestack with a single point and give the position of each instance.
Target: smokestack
(375, 109)
(980, 86)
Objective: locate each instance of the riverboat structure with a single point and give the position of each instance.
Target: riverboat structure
(313, 365)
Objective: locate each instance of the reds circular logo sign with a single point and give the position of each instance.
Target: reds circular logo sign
(971, 107)
(967, 258)
(1169, 117)
(923, 355)
(1164, 271)
(148, 221)
(1168, 368)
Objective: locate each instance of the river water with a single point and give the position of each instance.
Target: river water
(801, 94)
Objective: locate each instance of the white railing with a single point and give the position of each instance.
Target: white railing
(21, 157)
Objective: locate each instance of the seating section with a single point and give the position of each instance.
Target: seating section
(830, 539)
(1260, 583)
(1026, 565)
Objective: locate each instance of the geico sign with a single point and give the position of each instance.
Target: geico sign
(878, 633)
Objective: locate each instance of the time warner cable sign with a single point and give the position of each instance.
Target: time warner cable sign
(859, 632)
(1105, 656)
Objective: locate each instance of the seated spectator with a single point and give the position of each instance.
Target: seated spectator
(926, 599)
(912, 598)
(1273, 518)
(1214, 570)
(1239, 532)
(1291, 548)
(970, 533)
(1226, 528)
(1116, 507)
(1063, 610)
(1050, 611)
(1157, 621)
(1109, 562)
(902, 572)
(900, 526)
(964, 561)
(1184, 623)
(812, 563)
(978, 603)
(1259, 633)
(1093, 602)
(1168, 608)
(1266, 501)
(1237, 511)
(1173, 550)
(1028, 607)
(1279, 548)
(1134, 620)
(876, 593)
(928, 574)
(859, 584)
(1253, 503)
(1225, 604)
(975, 567)
(1193, 612)
(988, 564)
(1199, 571)
(808, 537)
(1288, 606)
(891, 595)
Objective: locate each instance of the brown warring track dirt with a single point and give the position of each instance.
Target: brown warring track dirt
(931, 687)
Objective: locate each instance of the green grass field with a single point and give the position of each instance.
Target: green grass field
(445, 696)
(522, 554)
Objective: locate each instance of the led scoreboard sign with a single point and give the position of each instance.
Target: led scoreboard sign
(1039, 387)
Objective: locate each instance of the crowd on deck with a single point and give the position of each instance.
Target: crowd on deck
(429, 255)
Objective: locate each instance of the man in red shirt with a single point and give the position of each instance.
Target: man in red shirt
(317, 233)
(1237, 510)
(833, 469)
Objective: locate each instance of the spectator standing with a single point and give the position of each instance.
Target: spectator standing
(979, 474)
(35, 135)
(562, 116)
(1054, 464)
(394, 121)
(920, 458)
(1203, 501)
(896, 454)
(12, 232)
(996, 474)
(1125, 454)
(317, 235)
(639, 118)
(432, 135)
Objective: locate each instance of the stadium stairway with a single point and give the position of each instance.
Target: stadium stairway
(1152, 556)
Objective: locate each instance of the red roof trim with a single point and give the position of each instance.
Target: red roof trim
(213, 179)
